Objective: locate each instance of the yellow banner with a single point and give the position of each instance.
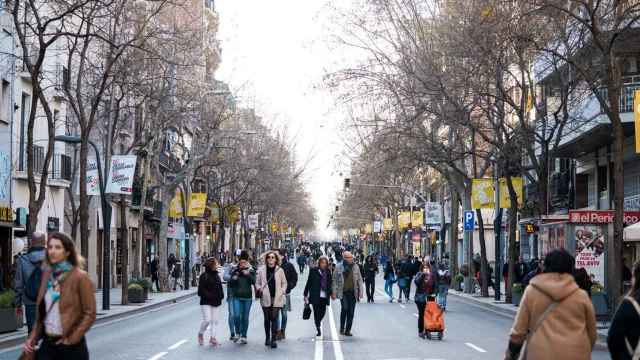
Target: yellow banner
(482, 195)
(274, 228)
(387, 224)
(197, 204)
(404, 218)
(368, 229)
(636, 111)
(232, 213)
(175, 207)
(417, 218)
(505, 200)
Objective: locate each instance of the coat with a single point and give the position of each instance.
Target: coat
(569, 329)
(312, 288)
(625, 326)
(77, 306)
(338, 281)
(281, 287)
(210, 288)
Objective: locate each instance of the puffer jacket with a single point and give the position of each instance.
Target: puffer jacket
(569, 329)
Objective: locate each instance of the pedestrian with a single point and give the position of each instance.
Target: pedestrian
(271, 287)
(444, 280)
(404, 279)
(176, 274)
(624, 333)
(389, 279)
(583, 280)
(292, 280)
(28, 277)
(230, 305)
(554, 316)
(370, 272)
(537, 268)
(302, 260)
(243, 278)
(347, 286)
(66, 304)
(171, 261)
(211, 294)
(318, 290)
(425, 281)
(154, 268)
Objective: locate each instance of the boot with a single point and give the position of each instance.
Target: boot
(274, 343)
(318, 332)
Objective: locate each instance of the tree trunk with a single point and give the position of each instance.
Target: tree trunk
(453, 255)
(513, 255)
(143, 201)
(124, 242)
(163, 271)
(484, 285)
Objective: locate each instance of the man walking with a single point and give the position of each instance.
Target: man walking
(370, 272)
(28, 277)
(347, 286)
(292, 279)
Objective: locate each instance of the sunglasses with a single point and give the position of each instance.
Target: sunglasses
(271, 257)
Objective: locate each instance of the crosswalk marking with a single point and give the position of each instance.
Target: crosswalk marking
(476, 348)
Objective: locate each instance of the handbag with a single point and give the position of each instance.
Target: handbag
(306, 313)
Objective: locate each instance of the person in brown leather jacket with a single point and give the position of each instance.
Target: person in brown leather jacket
(66, 305)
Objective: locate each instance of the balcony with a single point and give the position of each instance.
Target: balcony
(631, 84)
(169, 161)
(61, 167)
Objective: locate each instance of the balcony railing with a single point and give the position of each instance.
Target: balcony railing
(626, 96)
(61, 167)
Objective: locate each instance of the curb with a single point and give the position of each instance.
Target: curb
(20, 338)
(601, 341)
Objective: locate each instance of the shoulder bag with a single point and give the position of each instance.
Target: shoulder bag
(547, 311)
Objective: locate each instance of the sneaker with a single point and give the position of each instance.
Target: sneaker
(234, 338)
(348, 333)
(243, 340)
(341, 332)
(200, 339)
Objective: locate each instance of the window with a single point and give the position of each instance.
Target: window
(25, 106)
(5, 101)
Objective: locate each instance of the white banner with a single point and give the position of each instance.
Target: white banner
(122, 169)
(93, 180)
(433, 213)
(377, 226)
(253, 221)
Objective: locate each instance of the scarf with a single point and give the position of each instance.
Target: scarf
(324, 279)
(59, 272)
(346, 266)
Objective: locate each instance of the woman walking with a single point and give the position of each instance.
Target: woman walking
(243, 277)
(389, 279)
(624, 333)
(317, 291)
(211, 295)
(271, 286)
(425, 280)
(555, 316)
(66, 304)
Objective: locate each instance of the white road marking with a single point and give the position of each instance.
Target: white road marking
(158, 355)
(476, 348)
(319, 353)
(337, 347)
(402, 306)
(177, 345)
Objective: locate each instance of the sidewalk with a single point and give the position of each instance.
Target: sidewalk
(116, 311)
(509, 310)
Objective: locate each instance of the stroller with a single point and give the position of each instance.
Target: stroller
(433, 319)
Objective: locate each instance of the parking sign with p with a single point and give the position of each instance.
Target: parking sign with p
(469, 220)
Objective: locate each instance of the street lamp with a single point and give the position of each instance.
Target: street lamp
(106, 222)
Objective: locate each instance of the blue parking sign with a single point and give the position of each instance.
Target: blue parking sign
(469, 220)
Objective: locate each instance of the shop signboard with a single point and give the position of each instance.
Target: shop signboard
(590, 251)
(433, 213)
(601, 217)
(253, 221)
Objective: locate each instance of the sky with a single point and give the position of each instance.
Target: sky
(274, 57)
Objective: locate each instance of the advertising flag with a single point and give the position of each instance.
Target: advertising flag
(433, 213)
(121, 172)
(175, 207)
(404, 218)
(505, 199)
(482, 194)
(253, 221)
(377, 226)
(387, 224)
(93, 180)
(197, 204)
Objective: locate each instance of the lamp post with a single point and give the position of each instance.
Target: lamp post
(106, 222)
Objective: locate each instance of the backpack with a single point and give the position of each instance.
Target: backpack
(635, 354)
(32, 285)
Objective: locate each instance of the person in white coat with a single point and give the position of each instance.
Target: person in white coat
(271, 287)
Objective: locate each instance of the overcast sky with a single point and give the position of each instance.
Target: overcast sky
(274, 55)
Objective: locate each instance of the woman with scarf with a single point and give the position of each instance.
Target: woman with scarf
(271, 286)
(66, 304)
(317, 291)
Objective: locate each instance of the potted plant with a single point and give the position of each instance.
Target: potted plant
(145, 284)
(599, 299)
(136, 293)
(457, 282)
(516, 293)
(10, 314)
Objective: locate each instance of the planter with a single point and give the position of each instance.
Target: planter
(600, 303)
(10, 320)
(516, 297)
(145, 294)
(136, 296)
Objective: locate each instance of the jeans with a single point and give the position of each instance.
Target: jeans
(443, 290)
(49, 350)
(232, 318)
(282, 324)
(388, 288)
(241, 311)
(421, 306)
(370, 284)
(209, 319)
(347, 310)
(30, 315)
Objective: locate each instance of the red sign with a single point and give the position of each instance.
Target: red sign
(601, 216)
(416, 237)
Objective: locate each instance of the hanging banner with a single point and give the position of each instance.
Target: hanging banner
(215, 213)
(232, 212)
(368, 229)
(417, 218)
(252, 221)
(121, 172)
(404, 218)
(274, 228)
(387, 224)
(505, 199)
(93, 179)
(197, 204)
(590, 251)
(433, 213)
(175, 207)
(482, 194)
(377, 226)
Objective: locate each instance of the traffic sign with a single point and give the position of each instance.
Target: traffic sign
(469, 220)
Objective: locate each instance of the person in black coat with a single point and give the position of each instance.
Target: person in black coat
(292, 280)
(370, 270)
(318, 290)
(211, 295)
(624, 333)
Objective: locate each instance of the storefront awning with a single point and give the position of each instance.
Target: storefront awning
(632, 232)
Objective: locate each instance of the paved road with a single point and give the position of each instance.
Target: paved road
(383, 331)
